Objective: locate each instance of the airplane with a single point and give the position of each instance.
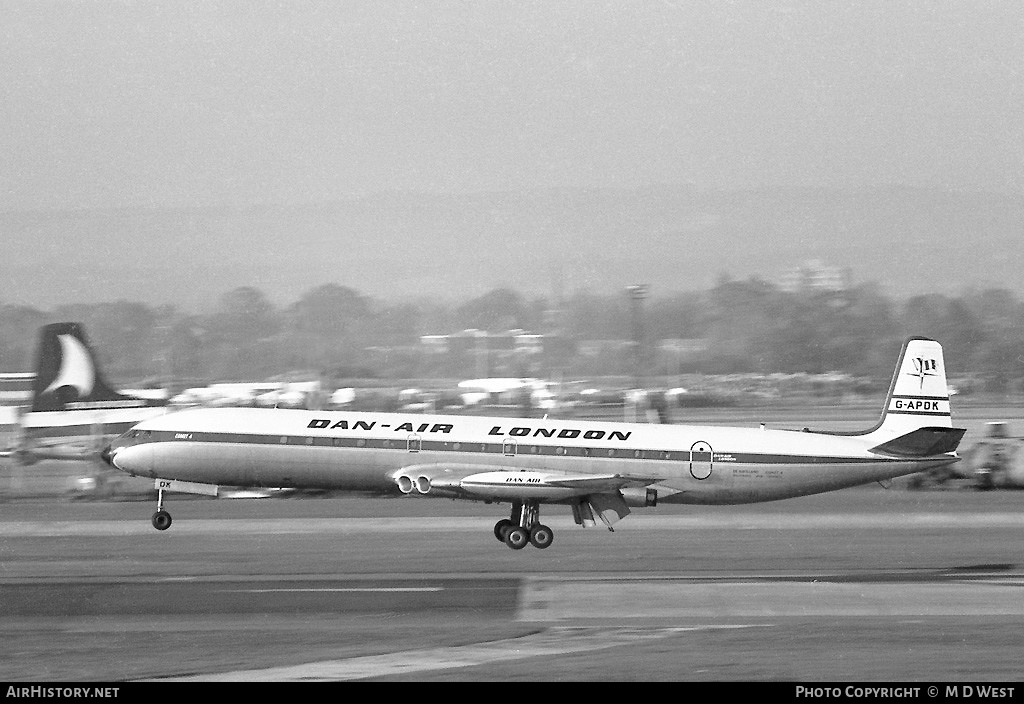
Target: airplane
(598, 469)
(74, 411)
(994, 462)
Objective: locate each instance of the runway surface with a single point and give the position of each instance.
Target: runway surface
(858, 585)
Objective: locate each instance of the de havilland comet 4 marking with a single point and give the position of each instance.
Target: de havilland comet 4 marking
(598, 469)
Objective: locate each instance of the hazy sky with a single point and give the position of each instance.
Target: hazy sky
(196, 103)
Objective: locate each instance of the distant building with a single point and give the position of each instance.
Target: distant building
(595, 348)
(482, 341)
(486, 353)
(815, 275)
(434, 344)
(685, 349)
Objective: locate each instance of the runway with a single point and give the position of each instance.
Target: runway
(858, 585)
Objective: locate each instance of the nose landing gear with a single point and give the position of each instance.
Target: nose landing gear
(161, 519)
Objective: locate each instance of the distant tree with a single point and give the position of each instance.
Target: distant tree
(947, 320)
(329, 311)
(863, 335)
(244, 315)
(19, 332)
(240, 335)
(496, 311)
(681, 315)
(185, 354)
(327, 326)
(751, 326)
(122, 334)
(396, 324)
(744, 317)
(997, 355)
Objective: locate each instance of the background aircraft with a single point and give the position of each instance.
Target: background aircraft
(74, 411)
(994, 462)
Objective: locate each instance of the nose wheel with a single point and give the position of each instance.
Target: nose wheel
(524, 527)
(161, 519)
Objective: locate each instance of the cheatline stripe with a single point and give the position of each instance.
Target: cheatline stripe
(336, 589)
(458, 450)
(945, 414)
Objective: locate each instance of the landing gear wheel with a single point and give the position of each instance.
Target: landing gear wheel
(161, 520)
(541, 536)
(501, 529)
(517, 538)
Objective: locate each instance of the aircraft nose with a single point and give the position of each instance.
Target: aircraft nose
(107, 455)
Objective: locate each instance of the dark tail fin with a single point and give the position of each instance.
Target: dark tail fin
(68, 376)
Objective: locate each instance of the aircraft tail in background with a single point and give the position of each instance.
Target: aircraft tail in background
(68, 375)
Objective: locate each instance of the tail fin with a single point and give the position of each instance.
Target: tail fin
(918, 396)
(68, 376)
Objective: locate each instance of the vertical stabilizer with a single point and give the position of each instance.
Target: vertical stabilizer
(68, 376)
(918, 395)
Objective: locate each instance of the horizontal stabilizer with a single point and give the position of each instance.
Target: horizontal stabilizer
(923, 442)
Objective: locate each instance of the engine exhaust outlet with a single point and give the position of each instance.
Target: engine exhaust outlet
(404, 484)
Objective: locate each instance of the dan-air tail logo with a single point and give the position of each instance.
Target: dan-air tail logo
(922, 368)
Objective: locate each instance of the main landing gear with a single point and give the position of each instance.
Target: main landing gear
(524, 527)
(161, 519)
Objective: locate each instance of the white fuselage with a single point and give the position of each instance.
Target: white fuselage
(371, 451)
